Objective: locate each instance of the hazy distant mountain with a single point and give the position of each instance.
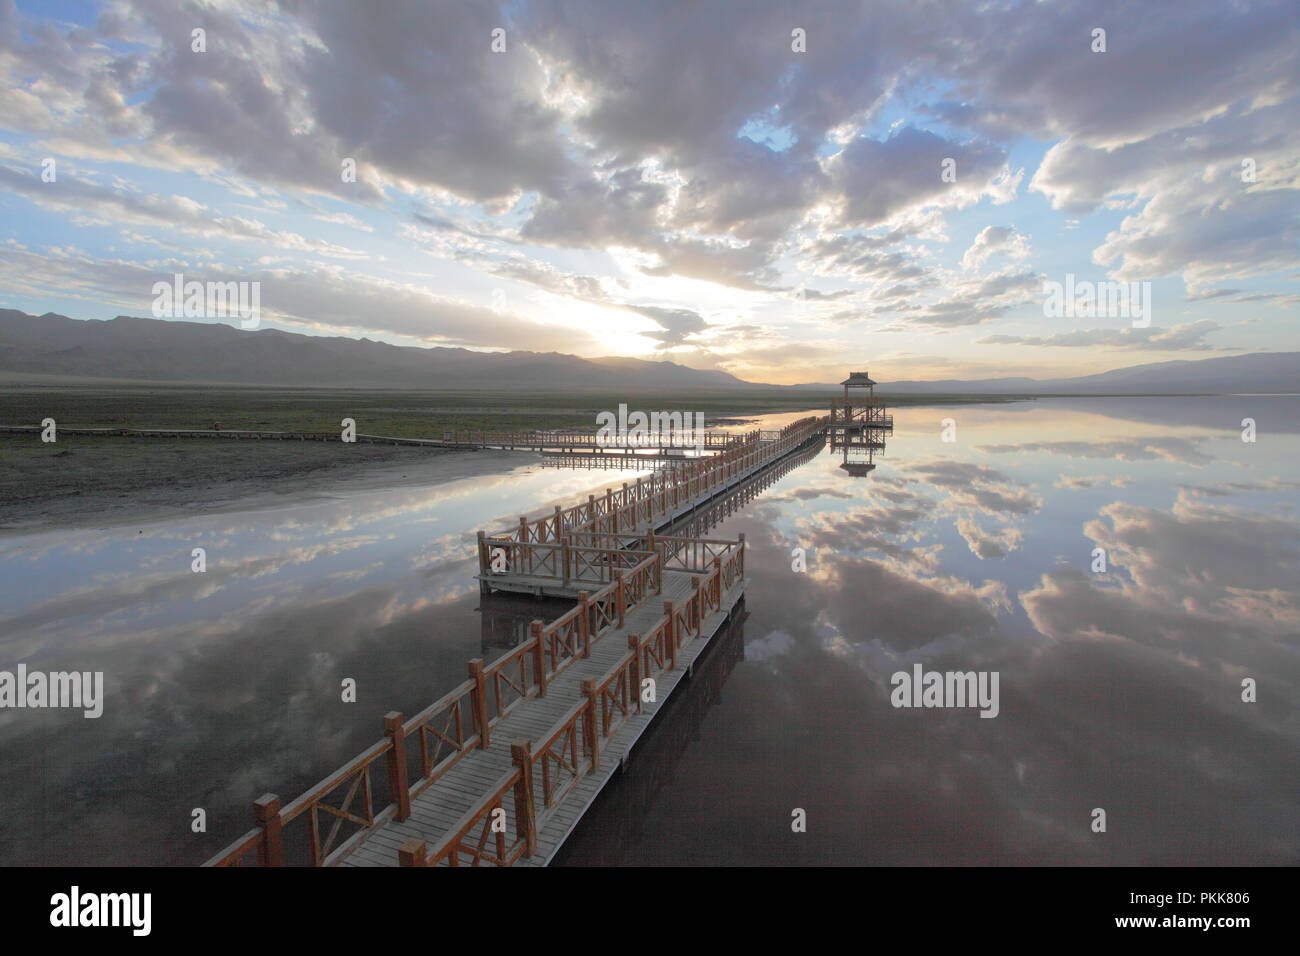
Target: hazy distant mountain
(195, 352)
(1258, 372)
(173, 351)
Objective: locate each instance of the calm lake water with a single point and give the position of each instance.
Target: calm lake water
(1119, 690)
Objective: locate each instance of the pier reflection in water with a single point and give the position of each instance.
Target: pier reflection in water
(1119, 690)
(612, 827)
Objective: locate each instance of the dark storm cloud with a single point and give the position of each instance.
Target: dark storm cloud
(400, 85)
(623, 210)
(676, 325)
(882, 178)
(749, 191)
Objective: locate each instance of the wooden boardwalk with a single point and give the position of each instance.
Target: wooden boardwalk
(572, 549)
(501, 768)
(438, 811)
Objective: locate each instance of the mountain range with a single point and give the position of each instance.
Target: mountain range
(213, 353)
(56, 347)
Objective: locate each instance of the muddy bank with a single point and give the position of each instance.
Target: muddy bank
(103, 482)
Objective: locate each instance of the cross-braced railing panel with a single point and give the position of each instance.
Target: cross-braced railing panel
(604, 609)
(614, 698)
(508, 681)
(342, 813)
(486, 833)
(565, 640)
(686, 621)
(590, 564)
(562, 758)
(446, 733)
(691, 554)
(641, 581)
(654, 649)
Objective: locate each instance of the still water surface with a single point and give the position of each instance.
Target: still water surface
(1118, 690)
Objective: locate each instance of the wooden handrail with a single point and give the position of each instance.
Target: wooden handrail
(486, 677)
(637, 577)
(334, 780)
(699, 473)
(480, 812)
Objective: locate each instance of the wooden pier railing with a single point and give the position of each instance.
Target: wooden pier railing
(586, 439)
(462, 721)
(588, 541)
(548, 771)
(641, 502)
(860, 413)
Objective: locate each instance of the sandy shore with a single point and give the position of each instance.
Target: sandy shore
(107, 482)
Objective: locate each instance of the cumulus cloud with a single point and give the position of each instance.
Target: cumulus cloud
(995, 240)
(687, 143)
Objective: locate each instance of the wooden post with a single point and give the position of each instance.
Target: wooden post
(478, 701)
(266, 811)
(659, 573)
(521, 752)
(565, 558)
(591, 508)
(695, 603)
(558, 523)
(670, 635)
(539, 655)
(412, 853)
(741, 556)
(634, 672)
(523, 530)
(584, 624)
(620, 596)
(589, 724)
(398, 787)
(482, 554)
(717, 576)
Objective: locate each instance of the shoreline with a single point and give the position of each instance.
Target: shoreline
(93, 487)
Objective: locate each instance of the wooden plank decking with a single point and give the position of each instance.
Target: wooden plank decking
(435, 812)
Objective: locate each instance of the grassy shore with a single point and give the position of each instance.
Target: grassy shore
(403, 414)
(81, 479)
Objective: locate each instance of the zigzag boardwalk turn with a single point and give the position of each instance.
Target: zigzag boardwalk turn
(500, 769)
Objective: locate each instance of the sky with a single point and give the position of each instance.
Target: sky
(781, 191)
